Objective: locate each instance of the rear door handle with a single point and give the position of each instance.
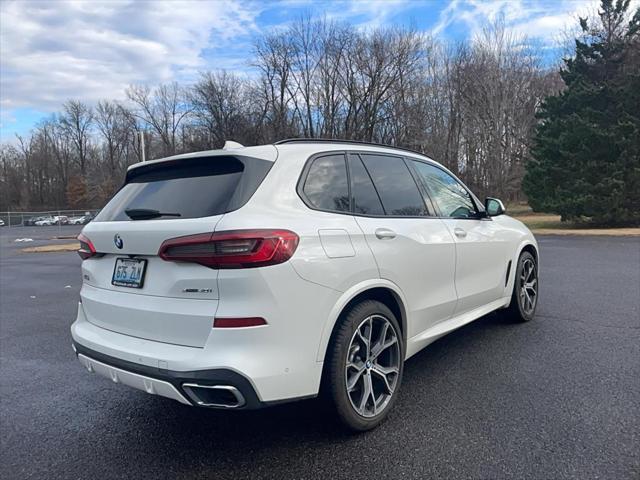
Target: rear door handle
(460, 233)
(385, 234)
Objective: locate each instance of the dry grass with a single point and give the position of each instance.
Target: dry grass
(615, 232)
(541, 220)
(546, 224)
(61, 247)
(517, 209)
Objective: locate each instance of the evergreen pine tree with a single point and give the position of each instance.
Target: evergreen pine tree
(586, 152)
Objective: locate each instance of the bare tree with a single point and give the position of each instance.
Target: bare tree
(470, 105)
(274, 60)
(77, 119)
(220, 107)
(117, 129)
(162, 109)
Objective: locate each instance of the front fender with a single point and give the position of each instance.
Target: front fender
(529, 240)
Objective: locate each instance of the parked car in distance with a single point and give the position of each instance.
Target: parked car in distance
(310, 264)
(1, 222)
(32, 220)
(61, 220)
(77, 221)
(45, 221)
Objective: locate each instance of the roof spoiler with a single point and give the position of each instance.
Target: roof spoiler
(230, 145)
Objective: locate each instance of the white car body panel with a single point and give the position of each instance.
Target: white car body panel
(180, 321)
(440, 280)
(424, 271)
(418, 342)
(481, 261)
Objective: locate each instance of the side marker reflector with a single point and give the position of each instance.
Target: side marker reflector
(238, 322)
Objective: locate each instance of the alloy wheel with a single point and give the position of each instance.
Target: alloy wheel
(373, 366)
(528, 286)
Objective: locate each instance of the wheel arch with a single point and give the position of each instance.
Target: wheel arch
(531, 248)
(381, 290)
(527, 245)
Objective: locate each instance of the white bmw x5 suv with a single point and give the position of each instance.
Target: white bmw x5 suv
(249, 276)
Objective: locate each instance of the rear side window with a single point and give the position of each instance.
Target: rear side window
(395, 185)
(326, 186)
(365, 197)
(188, 188)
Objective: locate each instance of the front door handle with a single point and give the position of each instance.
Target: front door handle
(385, 234)
(460, 233)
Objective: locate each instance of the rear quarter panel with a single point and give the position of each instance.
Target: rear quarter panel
(332, 251)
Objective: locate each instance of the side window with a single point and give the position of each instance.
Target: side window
(452, 198)
(365, 197)
(395, 185)
(326, 186)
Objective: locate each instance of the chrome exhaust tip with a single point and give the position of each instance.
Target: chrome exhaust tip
(214, 396)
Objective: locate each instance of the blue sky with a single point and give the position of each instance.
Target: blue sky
(54, 50)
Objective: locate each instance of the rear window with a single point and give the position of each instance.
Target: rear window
(192, 188)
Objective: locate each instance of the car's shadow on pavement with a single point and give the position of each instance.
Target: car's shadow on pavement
(171, 430)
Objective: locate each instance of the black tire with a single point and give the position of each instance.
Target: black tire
(519, 309)
(341, 349)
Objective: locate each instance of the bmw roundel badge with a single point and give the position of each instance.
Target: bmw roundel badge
(118, 241)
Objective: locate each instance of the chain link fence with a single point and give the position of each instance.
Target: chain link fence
(47, 218)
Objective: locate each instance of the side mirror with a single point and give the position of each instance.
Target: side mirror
(494, 207)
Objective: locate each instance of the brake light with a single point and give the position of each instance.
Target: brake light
(86, 250)
(232, 249)
(238, 322)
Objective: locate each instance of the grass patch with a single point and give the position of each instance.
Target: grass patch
(61, 247)
(516, 209)
(543, 220)
(613, 232)
(550, 224)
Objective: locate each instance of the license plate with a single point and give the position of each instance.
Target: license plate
(129, 272)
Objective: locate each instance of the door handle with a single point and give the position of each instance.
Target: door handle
(385, 234)
(460, 233)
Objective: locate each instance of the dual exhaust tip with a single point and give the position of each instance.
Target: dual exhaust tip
(214, 396)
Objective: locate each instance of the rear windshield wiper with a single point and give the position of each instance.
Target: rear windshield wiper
(147, 213)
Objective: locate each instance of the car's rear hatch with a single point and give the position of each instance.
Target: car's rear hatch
(172, 302)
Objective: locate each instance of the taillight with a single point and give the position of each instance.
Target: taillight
(232, 249)
(86, 250)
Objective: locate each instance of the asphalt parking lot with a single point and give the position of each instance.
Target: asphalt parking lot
(558, 397)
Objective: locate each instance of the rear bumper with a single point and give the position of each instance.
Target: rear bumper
(247, 359)
(168, 383)
(270, 363)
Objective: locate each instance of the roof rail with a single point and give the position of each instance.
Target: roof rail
(354, 142)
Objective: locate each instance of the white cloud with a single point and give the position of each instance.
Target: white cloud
(539, 19)
(376, 13)
(51, 51)
(54, 50)
(364, 14)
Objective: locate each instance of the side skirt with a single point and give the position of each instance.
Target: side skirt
(421, 340)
